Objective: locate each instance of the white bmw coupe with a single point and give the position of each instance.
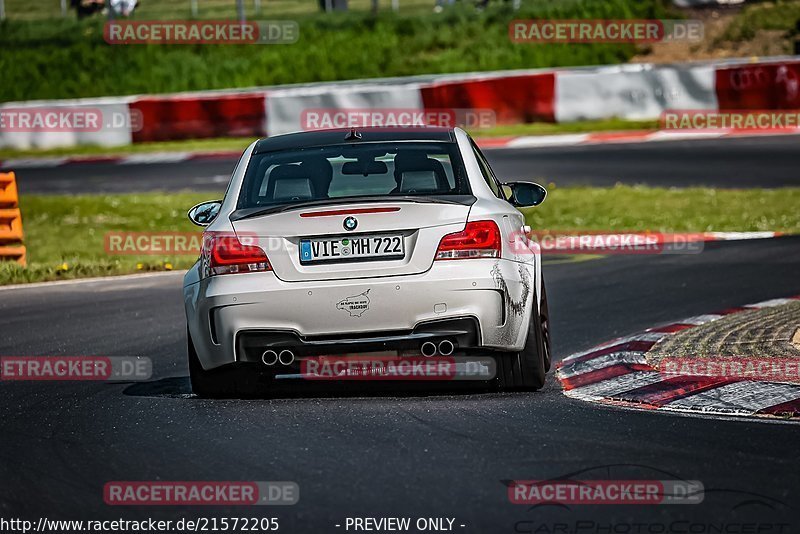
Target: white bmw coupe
(344, 242)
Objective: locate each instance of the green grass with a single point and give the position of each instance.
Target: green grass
(640, 208)
(240, 143)
(781, 15)
(66, 59)
(546, 128)
(65, 234)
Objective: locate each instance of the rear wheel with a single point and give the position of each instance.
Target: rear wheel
(544, 317)
(225, 382)
(526, 370)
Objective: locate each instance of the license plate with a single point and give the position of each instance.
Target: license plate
(352, 248)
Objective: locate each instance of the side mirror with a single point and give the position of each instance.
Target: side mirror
(526, 194)
(205, 212)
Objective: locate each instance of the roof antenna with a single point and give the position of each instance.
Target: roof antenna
(353, 135)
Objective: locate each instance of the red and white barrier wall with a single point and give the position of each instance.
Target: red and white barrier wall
(114, 131)
(631, 91)
(166, 118)
(285, 107)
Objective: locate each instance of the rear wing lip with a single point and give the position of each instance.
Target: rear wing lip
(260, 211)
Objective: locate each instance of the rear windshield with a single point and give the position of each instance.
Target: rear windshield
(347, 171)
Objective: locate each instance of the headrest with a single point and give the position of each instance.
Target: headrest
(412, 160)
(293, 188)
(418, 181)
(415, 171)
(291, 182)
(288, 172)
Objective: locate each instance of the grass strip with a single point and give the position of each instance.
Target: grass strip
(65, 235)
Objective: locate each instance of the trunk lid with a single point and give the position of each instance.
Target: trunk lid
(318, 233)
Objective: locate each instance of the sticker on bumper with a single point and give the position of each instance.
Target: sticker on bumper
(355, 305)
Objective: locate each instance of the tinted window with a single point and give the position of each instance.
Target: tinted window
(347, 171)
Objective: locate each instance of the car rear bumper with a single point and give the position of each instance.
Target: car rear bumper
(478, 304)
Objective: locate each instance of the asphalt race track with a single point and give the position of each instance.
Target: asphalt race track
(433, 454)
(766, 161)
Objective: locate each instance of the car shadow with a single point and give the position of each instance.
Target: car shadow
(180, 387)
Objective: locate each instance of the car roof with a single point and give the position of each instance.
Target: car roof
(338, 136)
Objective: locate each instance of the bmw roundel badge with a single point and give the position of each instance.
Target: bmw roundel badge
(350, 223)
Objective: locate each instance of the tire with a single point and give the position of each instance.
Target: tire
(544, 317)
(526, 370)
(222, 383)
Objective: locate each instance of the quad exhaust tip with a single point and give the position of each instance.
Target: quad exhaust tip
(428, 349)
(286, 357)
(270, 357)
(446, 347)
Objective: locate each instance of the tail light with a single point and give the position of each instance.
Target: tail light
(226, 254)
(480, 239)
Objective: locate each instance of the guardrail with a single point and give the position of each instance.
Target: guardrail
(632, 92)
(11, 236)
